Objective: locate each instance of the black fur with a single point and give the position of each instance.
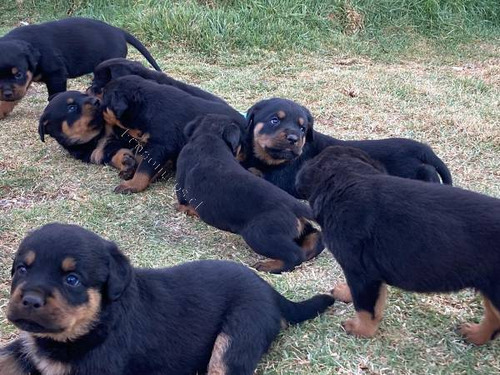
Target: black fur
(71, 107)
(413, 235)
(155, 322)
(119, 67)
(159, 114)
(214, 185)
(54, 51)
(401, 157)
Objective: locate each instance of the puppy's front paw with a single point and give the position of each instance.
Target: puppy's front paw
(187, 209)
(272, 266)
(342, 292)
(360, 327)
(125, 188)
(475, 333)
(129, 165)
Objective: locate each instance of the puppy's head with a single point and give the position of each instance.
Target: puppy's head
(62, 276)
(278, 129)
(72, 118)
(225, 127)
(120, 96)
(333, 162)
(18, 62)
(112, 69)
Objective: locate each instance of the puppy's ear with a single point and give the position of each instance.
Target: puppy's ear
(251, 113)
(118, 104)
(33, 56)
(191, 127)
(232, 136)
(310, 126)
(307, 179)
(120, 272)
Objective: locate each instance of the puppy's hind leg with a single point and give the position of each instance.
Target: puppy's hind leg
(244, 338)
(369, 297)
(488, 328)
(283, 251)
(310, 240)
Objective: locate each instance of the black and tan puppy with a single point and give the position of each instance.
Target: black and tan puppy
(155, 115)
(119, 67)
(52, 52)
(83, 310)
(75, 120)
(409, 234)
(281, 134)
(212, 184)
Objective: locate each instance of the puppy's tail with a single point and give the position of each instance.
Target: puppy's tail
(296, 312)
(132, 40)
(431, 158)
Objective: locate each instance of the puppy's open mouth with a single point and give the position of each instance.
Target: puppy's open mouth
(34, 327)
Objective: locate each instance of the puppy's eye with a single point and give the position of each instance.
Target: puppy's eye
(303, 129)
(21, 270)
(72, 280)
(72, 108)
(19, 75)
(274, 121)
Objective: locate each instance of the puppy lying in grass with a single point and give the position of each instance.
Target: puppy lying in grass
(214, 186)
(282, 136)
(115, 68)
(412, 235)
(75, 121)
(84, 310)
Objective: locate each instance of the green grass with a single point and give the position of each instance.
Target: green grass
(446, 98)
(382, 28)
(453, 108)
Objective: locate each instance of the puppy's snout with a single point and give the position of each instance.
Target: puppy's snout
(292, 138)
(94, 101)
(33, 300)
(8, 94)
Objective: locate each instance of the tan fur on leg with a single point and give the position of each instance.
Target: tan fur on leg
(483, 332)
(364, 324)
(342, 293)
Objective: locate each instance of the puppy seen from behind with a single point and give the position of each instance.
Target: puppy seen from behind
(420, 237)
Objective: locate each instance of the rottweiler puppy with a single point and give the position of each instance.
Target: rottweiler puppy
(52, 52)
(282, 137)
(155, 115)
(420, 237)
(119, 67)
(214, 186)
(75, 120)
(83, 309)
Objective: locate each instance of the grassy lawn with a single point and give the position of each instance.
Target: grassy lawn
(448, 98)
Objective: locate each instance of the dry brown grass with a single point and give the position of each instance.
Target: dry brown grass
(454, 108)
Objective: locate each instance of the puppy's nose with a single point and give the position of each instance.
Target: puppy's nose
(33, 300)
(7, 94)
(292, 138)
(94, 101)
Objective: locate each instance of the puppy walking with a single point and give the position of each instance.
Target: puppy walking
(83, 310)
(52, 52)
(412, 235)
